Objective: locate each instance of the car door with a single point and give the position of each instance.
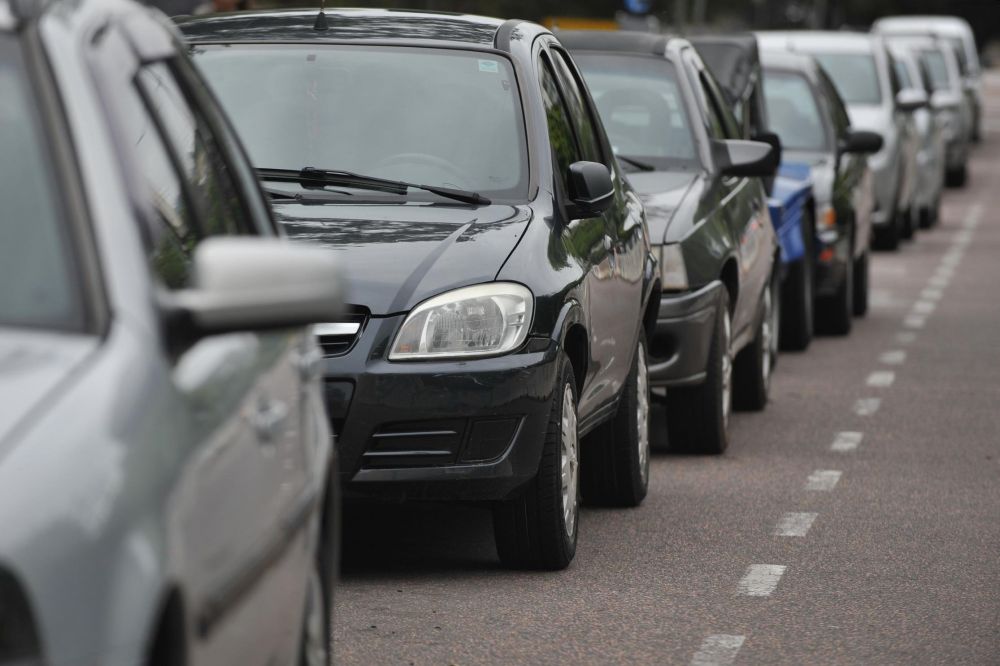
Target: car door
(620, 301)
(587, 240)
(234, 397)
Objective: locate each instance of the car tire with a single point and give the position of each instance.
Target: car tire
(315, 643)
(797, 298)
(926, 218)
(957, 177)
(698, 416)
(614, 470)
(887, 237)
(752, 370)
(860, 303)
(835, 314)
(537, 529)
(907, 225)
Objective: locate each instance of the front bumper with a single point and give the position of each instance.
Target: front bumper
(439, 430)
(685, 324)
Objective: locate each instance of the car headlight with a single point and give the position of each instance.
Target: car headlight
(482, 320)
(673, 272)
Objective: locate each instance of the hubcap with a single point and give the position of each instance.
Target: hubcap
(570, 460)
(642, 413)
(727, 368)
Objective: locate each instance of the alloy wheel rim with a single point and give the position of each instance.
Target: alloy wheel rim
(727, 368)
(642, 413)
(570, 460)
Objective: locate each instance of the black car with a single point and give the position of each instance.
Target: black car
(500, 268)
(715, 334)
(808, 113)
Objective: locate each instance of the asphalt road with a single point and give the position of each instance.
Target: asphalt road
(856, 521)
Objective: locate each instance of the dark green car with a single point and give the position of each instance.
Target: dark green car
(716, 330)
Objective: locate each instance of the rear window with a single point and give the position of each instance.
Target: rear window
(642, 108)
(855, 76)
(38, 281)
(793, 112)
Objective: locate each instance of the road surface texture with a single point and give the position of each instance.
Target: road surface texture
(856, 521)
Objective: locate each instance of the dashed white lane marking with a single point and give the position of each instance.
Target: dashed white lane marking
(939, 281)
(914, 321)
(952, 258)
(846, 441)
(823, 480)
(894, 357)
(931, 294)
(906, 337)
(867, 406)
(881, 378)
(945, 271)
(924, 307)
(760, 580)
(718, 650)
(972, 219)
(794, 524)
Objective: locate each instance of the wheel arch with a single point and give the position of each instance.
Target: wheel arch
(168, 639)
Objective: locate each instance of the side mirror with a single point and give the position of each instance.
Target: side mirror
(909, 100)
(772, 139)
(591, 189)
(736, 157)
(253, 284)
(862, 141)
(945, 99)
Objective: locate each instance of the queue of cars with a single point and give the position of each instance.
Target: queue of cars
(509, 242)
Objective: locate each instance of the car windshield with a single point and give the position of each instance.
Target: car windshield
(855, 76)
(438, 117)
(642, 108)
(937, 69)
(792, 111)
(38, 283)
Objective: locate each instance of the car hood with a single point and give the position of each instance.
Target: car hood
(662, 193)
(33, 365)
(395, 256)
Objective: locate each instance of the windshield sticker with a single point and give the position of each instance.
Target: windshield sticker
(489, 66)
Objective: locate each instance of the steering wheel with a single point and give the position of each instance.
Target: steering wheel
(442, 165)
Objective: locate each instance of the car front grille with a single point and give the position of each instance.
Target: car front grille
(336, 338)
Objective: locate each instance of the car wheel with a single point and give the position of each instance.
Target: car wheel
(906, 225)
(926, 218)
(752, 371)
(797, 299)
(538, 528)
(615, 467)
(887, 237)
(957, 177)
(315, 641)
(834, 314)
(698, 416)
(861, 285)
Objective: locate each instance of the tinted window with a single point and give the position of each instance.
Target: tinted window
(855, 76)
(641, 107)
(560, 130)
(937, 69)
(38, 282)
(585, 130)
(434, 116)
(793, 111)
(902, 74)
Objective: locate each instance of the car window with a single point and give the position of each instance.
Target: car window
(213, 189)
(854, 74)
(716, 126)
(937, 68)
(445, 117)
(642, 108)
(564, 149)
(835, 105)
(793, 111)
(39, 284)
(586, 131)
(902, 74)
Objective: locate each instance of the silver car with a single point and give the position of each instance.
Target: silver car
(859, 65)
(958, 34)
(165, 459)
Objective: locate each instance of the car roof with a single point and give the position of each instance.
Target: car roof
(342, 25)
(777, 59)
(624, 41)
(951, 25)
(819, 40)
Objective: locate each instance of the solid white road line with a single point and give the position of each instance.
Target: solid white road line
(924, 307)
(846, 441)
(794, 524)
(867, 406)
(823, 480)
(906, 337)
(760, 580)
(894, 357)
(718, 650)
(914, 321)
(881, 378)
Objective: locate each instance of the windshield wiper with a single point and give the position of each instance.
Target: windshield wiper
(638, 164)
(312, 177)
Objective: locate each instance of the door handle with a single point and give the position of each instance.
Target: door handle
(269, 419)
